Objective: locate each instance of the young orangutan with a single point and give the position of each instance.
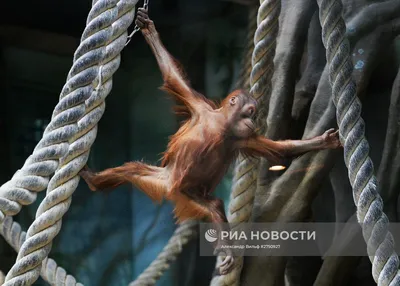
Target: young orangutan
(200, 152)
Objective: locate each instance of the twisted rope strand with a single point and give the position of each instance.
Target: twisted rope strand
(380, 243)
(50, 272)
(96, 60)
(262, 62)
(244, 82)
(34, 175)
(246, 67)
(182, 235)
(245, 172)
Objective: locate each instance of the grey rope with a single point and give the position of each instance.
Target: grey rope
(245, 173)
(50, 272)
(34, 175)
(80, 108)
(246, 67)
(182, 235)
(380, 243)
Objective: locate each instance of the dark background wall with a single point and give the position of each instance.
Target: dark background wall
(110, 239)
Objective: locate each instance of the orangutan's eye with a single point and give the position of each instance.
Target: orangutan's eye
(251, 111)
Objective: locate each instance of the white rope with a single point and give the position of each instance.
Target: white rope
(182, 235)
(245, 173)
(50, 272)
(66, 142)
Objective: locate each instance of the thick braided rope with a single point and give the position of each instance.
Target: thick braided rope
(50, 272)
(98, 55)
(34, 176)
(262, 61)
(246, 67)
(245, 173)
(182, 235)
(374, 222)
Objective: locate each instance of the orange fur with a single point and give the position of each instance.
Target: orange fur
(198, 154)
(143, 176)
(186, 208)
(259, 146)
(194, 165)
(237, 92)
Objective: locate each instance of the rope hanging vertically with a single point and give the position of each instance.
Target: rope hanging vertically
(245, 173)
(69, 135)
(243, 80)
(182, 235)
(374, 222)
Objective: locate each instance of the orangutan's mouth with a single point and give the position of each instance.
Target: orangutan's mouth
(251, 127)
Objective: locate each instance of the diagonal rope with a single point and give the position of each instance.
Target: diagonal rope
(182, 235)
(34, 176)
(73, 128)
(50, 272)
(245, 173)
(374, 222)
